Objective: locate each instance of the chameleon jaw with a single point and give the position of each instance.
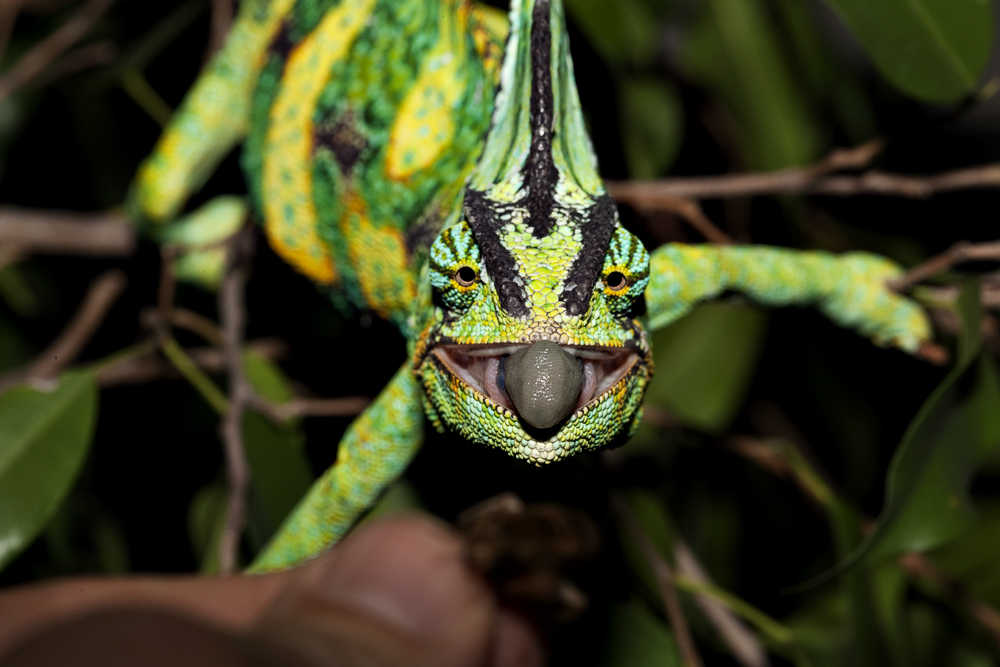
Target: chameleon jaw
(480, 367)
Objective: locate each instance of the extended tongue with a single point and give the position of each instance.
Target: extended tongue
(544, 383)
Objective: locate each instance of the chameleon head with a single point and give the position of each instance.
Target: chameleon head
(532, 342)
(540, 371)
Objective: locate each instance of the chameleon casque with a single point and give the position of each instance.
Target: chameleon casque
(427, 161)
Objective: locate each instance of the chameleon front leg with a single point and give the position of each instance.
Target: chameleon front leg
(213, 117)
(849, 288)
(375, 451)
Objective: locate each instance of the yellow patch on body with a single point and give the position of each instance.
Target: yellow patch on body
(378, 255)
(424, 127)
(289, 213)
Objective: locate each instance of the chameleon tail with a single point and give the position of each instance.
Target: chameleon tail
(849, 289)
(375, 450)
(213, 117)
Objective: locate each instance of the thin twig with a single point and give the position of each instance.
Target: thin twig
(203, 384)
(101, 295)
(310, 407)
(690, 211)
(77, 60)
(742, 643)
(658, 194)
(182, 318)
(42, 54)
(66, 233)
(665, 578)
(231, 308)
(963, 251)
(142, 368)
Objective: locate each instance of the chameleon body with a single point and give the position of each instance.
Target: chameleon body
(426, 160)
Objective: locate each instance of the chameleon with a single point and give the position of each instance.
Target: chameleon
(427, 161)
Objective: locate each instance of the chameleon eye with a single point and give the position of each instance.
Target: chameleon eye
(465, 276)
(616, 281)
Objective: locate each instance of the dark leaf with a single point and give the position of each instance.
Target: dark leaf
(44, 438)
(704, 363)
(927, 495)
(934, 50)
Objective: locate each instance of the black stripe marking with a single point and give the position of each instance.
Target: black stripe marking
(282, 43)
(588, 264)
(500, 263)
(539, 169)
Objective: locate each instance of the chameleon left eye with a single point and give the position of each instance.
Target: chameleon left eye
(465, 276)
(616, 281)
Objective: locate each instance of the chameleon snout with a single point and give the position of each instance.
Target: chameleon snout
(544, 383)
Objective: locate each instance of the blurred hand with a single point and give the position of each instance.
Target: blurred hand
(395, 593)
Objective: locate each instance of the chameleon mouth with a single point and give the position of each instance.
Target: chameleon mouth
(483, 367)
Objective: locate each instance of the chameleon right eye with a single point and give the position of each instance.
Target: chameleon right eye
(616, 281)
(465, 276)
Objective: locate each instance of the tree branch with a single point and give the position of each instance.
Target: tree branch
(42, 54)
(665, 578)
(742, 643)
(66, 233)
(143, 368)
(815, 180)
(310, 407)
(963, 251)
(101, 295)
(233, 315)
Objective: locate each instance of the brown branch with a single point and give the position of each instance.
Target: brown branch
(963, 251)
(310, 407)
(42, 54)
(665, 578)
(66, 233)
(85, 57)
(145, 369)
(688, 210)
(101, 295)
(742, 644)
(661, 194)
(233, 315)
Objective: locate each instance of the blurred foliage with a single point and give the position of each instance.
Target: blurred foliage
(772, 439)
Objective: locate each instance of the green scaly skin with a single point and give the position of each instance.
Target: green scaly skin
(412, 165)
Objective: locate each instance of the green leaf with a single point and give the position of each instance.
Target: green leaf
(280, 471)
(637, 638)
(266, 378)
(652, 125)
(705, 362)
(44, 438)
(733, 51)
(206, 522)
(927, 487)
(934, 50)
